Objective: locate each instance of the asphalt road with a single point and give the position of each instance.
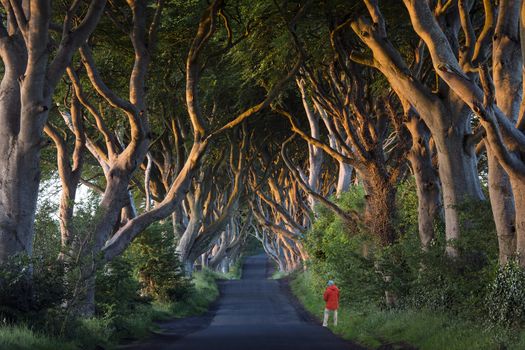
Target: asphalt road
(254, 314)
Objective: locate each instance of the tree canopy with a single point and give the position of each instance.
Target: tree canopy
(228, 121)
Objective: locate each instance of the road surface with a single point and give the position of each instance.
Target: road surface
(253, 313)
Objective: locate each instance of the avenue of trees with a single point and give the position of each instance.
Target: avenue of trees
(380, 143)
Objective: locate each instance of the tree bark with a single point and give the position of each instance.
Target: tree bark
(70, 171)
(447, 120)
(502, 203)
(344, 178)
(380, 207)
(458, 177)
(505, 139)
(427, 181)
(315, 154)
(507, 73)
(26, 92)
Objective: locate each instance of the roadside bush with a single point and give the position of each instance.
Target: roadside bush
(23, 338)
(116, 289)
(342, 255)
(204, 292)
(439, 300)
(29, 286)
(435, 281)
(147, 283)
(506, 297)
(15, 289)
(157, 265)
(417, 278)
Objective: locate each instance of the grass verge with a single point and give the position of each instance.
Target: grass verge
(372, 327)
(21, 338)
(206, 291)
(106, 332)
(234, 273)
(277, 275)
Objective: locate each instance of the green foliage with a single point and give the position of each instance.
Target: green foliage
(438, 287)
(252, 246)
(94, 332)
(417, 278)
(27, 295)
(15, 290)
(116, 289)
(158, 266)
(47, 233)
(204, 293)
(30, 286)
(373, 327)
(128, 318)
(343, 256)
(506, 298)
(277, 275)
(428, 286)
(23, 338)
(431, 279)
(123, 308)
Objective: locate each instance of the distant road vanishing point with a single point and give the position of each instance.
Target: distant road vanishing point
(253, 313)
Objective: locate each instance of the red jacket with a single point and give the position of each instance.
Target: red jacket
(331, 296)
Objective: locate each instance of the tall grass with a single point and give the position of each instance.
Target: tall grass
(206, 291)
(23, 338)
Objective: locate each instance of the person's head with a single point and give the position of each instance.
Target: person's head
(330, 283)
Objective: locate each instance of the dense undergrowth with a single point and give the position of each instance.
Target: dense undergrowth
(106, 330)
(436, 302)
(144, 285)
(372, 325)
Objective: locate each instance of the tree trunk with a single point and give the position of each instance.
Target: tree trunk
(15, 217)
(225, 265)
(85, 305)
(188, 267)
(458, 179)
(507, 73)
(344, 178)
(446, 117)
(315, 154)
(427, 181)
(188, 238)
(25, 99)
(220, 253)
(518, 188)
(380, 209)
(502, 203)
(177, 222)
(19, 182)
(19, 171)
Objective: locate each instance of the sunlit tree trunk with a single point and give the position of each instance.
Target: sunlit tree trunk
(446, 118)
(507, 75)
(505, 139)
(427, 181)
(27, 87)
(69, 171)
(315, 154)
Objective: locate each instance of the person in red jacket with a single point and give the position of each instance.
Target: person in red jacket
(331, 297)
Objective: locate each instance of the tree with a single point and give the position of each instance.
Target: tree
(31, 75)
(497, 111)
(443, 112)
